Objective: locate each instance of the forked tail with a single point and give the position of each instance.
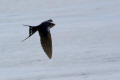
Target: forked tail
(32, 30)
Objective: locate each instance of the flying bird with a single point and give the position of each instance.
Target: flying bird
(45, 35)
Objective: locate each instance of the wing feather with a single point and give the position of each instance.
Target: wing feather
(46, 43)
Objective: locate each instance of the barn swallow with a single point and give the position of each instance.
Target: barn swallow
(45, 35)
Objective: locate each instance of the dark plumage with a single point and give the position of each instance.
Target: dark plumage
(45, 36)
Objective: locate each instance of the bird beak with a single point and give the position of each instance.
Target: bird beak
(52, 24)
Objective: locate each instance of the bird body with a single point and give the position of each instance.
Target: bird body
(45, 36)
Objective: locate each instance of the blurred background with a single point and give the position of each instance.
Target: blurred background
(85, 40)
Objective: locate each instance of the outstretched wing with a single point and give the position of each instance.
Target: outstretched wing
(46, 43)
(32, 30)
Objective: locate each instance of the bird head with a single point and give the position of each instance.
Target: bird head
(49, 23)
